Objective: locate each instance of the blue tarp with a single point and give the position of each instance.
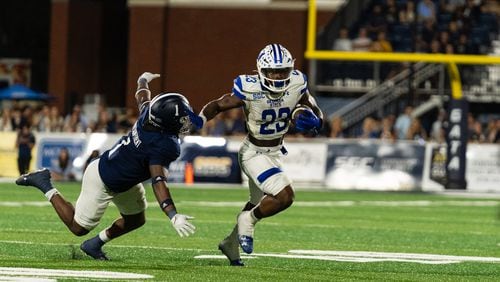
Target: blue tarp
(21, 92)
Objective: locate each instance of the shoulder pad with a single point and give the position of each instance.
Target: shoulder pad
(246, 85)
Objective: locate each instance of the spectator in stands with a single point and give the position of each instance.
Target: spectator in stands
(235, 122)
(444, 38)
(215, 127)
(126, 123)
(370, 128)
(26, 116)
(470, 13)
(16, 119)
(112, 125)
(437, 128)
(76, 121)
(493, 133)
(450, 6)
(463, 46)
(435, 47)
(454, 32)
(343, 42)
(390, 10)
(416, 131)
(42, 119)
(428, 33)
(62, 168)
(377, 21)
(6, 121)
(476, 134)
(337, 130)
(387, 131)
(56, 120)
(381, 44)
(426, 10)
(362, 43)
(403, 123)
(24, 143)
(407, 14)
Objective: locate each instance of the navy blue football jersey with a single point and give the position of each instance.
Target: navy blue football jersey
(127, 162)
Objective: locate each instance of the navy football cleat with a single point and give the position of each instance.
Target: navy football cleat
(92, 248)
(39, 179)
(246, 243)
(231, 252)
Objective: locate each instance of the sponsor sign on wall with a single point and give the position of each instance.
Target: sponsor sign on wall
(305, 162)
(374, 165)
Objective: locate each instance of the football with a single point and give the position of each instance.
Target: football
(298, 110)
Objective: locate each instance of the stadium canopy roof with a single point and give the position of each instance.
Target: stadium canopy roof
(21, 92)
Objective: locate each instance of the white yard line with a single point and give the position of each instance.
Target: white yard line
(364, 257)
(43, 272)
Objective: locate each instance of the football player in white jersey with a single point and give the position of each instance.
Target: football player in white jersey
(268, 99)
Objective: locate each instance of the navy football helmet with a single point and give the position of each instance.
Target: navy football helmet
(169, 112)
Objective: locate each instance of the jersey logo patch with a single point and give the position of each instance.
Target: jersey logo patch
(260, 95)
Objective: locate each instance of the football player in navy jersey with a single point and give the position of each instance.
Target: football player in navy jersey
(117, 176)
(270, 99)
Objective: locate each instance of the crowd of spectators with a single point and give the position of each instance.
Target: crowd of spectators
(426, 26)
(47, 118)
(406, 127)
(232, 123)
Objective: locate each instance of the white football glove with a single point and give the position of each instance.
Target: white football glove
(181, 224)
(147, 76)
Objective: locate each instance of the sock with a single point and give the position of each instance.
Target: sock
(255, 215)
(104, 236)
(49, 194)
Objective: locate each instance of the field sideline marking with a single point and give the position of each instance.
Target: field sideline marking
(363, 257)
(43, 272)
(422, 203)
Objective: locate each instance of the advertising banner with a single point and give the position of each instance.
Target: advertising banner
(456, 138)
(205, 160)
(305, 162)
(483, 168)
(374, 165)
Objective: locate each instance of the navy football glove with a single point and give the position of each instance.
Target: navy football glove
(308, 121)
(196, 119)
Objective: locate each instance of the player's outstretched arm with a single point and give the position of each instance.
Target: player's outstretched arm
(143, 94)
(214, 107)
(162, 193)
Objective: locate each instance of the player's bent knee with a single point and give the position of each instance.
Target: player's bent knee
(286, 197)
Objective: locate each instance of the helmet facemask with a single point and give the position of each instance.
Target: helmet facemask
(186, 125)
(277, 80)
(274, 66)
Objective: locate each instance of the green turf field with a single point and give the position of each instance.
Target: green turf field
(286, 246)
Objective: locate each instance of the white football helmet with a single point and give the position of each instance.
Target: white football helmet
(275, 66)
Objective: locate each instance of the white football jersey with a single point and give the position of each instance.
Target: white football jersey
(266, 118)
